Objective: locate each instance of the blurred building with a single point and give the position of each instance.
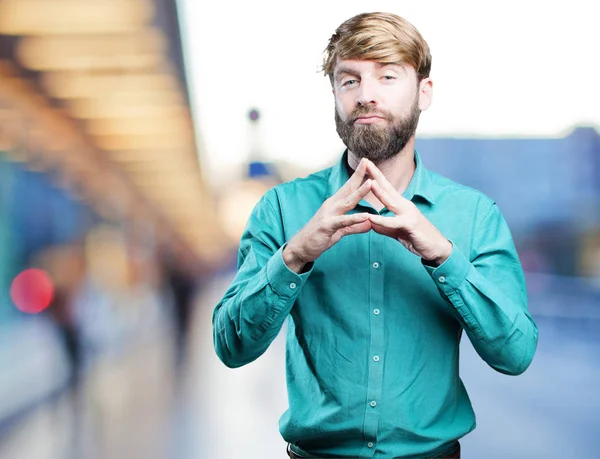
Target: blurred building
(98, 156)
(547, 188)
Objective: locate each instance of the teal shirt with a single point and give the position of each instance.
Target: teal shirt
(373, 334)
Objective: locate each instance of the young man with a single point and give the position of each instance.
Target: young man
(378, 265)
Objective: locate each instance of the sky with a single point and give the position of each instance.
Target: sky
(511, 68)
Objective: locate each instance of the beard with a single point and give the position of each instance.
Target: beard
(380, 141)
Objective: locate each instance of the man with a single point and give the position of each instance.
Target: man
(378, 265)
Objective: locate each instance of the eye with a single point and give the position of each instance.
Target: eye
(349, 82)
(389, 77)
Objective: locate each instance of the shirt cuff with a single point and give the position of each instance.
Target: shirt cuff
(282, 279)
(451, 273)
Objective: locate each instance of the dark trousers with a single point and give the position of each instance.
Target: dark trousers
(453, 455)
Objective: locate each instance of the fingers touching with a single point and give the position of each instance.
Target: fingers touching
(354, 198)
(356, 179)
(345, 221)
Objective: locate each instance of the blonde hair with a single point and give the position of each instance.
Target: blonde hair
(381, 37)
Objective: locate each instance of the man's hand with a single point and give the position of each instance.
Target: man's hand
(330, 223)
(409, 226)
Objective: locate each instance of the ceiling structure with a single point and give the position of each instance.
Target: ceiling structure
(97, 90)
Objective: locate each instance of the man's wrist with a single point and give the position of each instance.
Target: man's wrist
(444, 254)
(292, 259)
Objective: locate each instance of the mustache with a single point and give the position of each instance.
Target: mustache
(365, 111)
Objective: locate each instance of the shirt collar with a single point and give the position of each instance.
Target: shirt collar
(420, 184)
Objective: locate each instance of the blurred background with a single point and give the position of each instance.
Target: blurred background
(137, 135)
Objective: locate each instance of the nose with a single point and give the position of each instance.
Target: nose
(366, 94)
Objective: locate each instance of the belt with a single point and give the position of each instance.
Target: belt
(451, 455)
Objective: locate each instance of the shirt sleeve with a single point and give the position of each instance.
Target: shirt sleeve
(489, 295)
(258, 301)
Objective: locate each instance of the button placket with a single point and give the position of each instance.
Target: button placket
(376, 345)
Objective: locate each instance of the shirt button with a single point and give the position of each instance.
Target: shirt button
(376, 358)
(376, 312)
(292, 285)
(375, 265)
(373, 403)
(370, 444)
(442, 279)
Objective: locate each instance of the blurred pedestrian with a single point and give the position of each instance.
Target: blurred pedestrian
(182, 286)
(67, 267)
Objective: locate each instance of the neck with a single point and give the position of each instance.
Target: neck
(398, 170)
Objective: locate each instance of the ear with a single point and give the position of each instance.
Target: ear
(425, 93)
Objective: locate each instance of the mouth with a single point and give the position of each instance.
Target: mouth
(368, 119)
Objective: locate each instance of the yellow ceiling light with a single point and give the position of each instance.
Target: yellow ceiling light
(132, 50)
(180, 182)
(138, 142)
(108, 109)
(167, 166)
(175, 205)
(151, 185)
(124, 157)
(180, 205)
(122, 61)
(126, 98)
(134, 126)
(166, 189)
(34, 17)
(73, 85)
(166, 197)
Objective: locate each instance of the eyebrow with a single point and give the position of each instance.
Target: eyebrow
(350, 71)
(344, 71)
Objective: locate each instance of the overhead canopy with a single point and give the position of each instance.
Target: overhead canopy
(98, 90)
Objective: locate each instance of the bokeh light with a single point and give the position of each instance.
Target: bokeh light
(32, 291)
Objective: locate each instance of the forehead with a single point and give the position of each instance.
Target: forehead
(360, 65)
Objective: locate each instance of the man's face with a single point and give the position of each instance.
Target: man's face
(377, 106)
